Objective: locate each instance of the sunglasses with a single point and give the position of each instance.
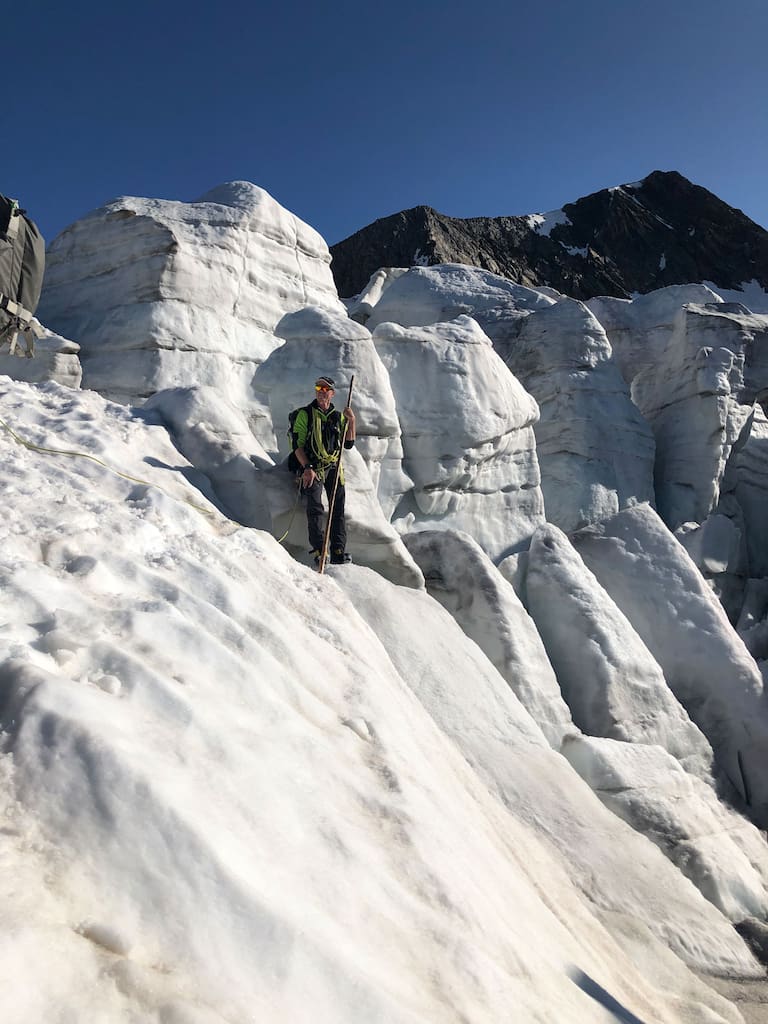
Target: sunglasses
(322, 387)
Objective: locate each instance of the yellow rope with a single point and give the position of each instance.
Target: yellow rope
(293, 513)
(125, 476)
(326, 458)
(85, 455)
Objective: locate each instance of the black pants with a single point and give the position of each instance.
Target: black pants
(315, 512)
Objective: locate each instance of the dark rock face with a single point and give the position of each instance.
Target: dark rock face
(633, 238)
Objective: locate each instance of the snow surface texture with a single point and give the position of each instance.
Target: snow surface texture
(725, 856)
(214, 436)
(468, 440)
(191, 290)
(658, 588)
(232, 787)
(612, 684)
(457, 685)
(595, 450)
(55, 358)
(729, 546)
(222, 797)
(696, 370)
(465, 581)
(750, 486)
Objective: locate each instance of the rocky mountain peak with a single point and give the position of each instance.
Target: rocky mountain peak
(620, 241)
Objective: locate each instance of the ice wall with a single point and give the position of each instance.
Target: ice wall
(171, 294)
(467, 428)
(594, 448)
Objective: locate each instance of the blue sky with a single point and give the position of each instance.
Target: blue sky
(348, 112)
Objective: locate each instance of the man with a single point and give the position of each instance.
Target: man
(316, 434)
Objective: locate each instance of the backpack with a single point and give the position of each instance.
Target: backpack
(331, 433)
(293, 462)
(22, 262)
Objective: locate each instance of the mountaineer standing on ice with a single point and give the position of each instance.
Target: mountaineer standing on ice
(317, 433)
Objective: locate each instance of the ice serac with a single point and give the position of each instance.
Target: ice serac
(429, 295)
(609, 678)
(465, 581)
(750, 488)
(639, 329)
(699, 372)
(721, 852)
(595, 450)
(697, 397)
(171, 294)
(622, 875)
(746, 481)
(653, 581)
(361, 306)
(468, 440)
(318, 341)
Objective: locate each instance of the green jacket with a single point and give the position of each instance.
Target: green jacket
(320, 436)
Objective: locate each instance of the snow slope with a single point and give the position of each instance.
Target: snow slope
(224, 801)
(616, 870)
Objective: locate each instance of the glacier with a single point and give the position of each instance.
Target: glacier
(510, 764)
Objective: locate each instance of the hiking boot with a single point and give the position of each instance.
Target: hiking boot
(315, 556)
(339, 557)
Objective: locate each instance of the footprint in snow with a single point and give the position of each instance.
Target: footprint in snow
(106, 936)
(109, 684)
(360, 727)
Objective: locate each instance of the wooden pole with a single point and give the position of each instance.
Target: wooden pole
(326, 539)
